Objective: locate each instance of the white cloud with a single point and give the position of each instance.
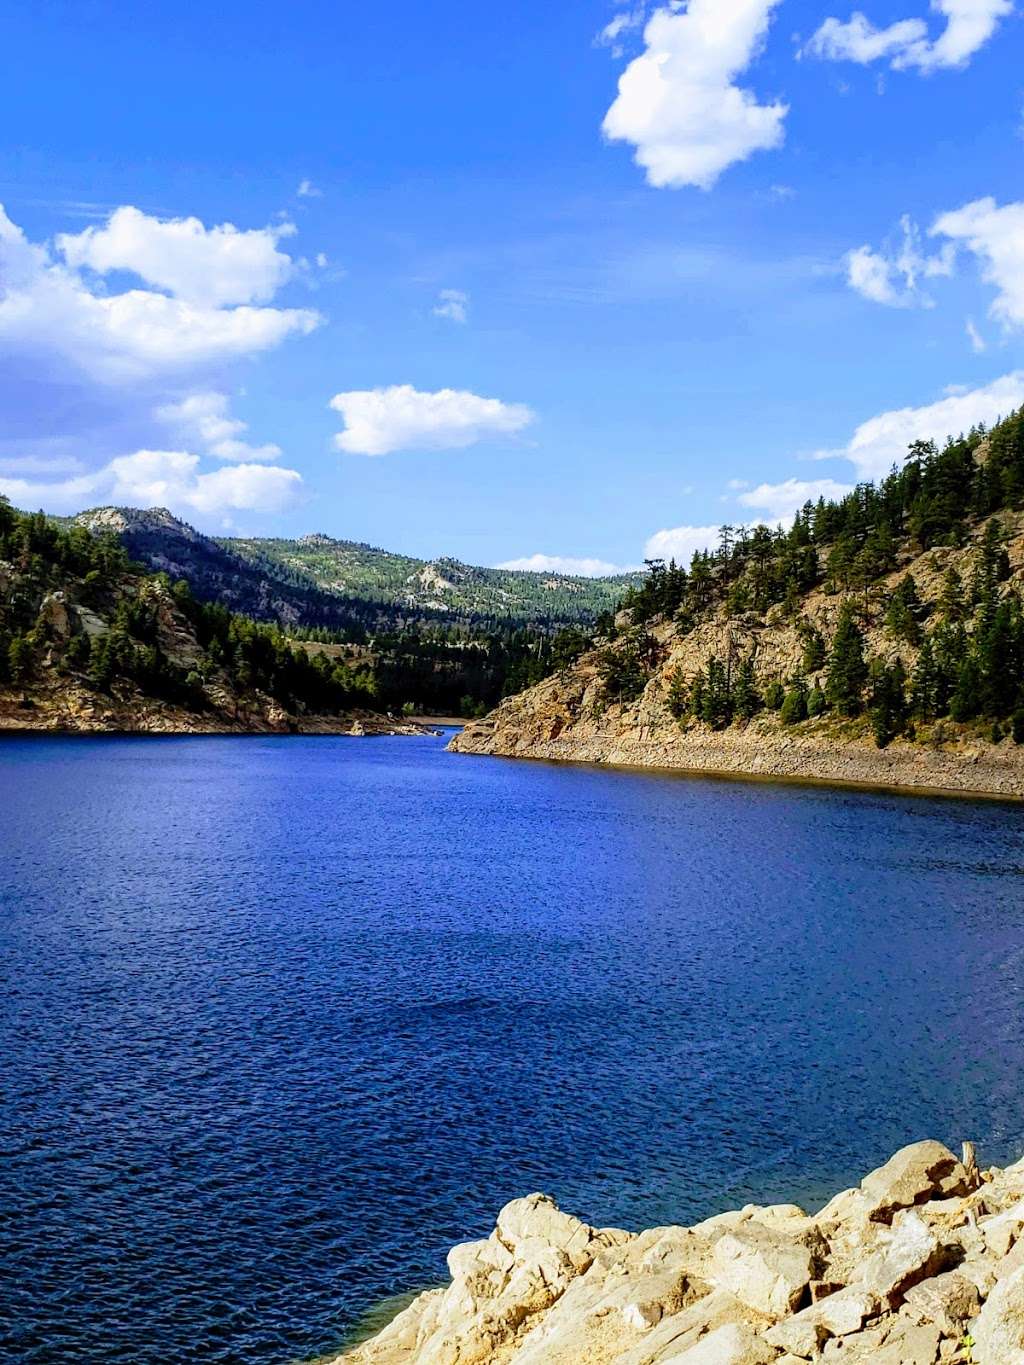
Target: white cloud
(624, 22)
(208, 266)
(969, 25)
(205, 417)
(893, 276)
(564, 564)
(452, 304)
(165, 478)
(378, 421)
(882, 441)
(678, 103)
(50, 309)
(680, 543)
(779, 501)
(996, 235)
(978, 342)
(307, 190)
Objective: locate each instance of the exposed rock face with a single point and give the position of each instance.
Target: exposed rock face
(566, 717)
(902, 1271)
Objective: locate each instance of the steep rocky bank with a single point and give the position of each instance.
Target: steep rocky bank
(569, 717)
(922, 1263)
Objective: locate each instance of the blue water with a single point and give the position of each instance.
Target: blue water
(282, 1019)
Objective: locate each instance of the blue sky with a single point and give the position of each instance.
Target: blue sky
(553, 318)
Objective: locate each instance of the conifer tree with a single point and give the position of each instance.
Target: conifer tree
(745, 697)
(847, 671)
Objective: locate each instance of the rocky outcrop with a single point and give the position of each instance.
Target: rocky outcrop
(922, 1264)
(568, 718)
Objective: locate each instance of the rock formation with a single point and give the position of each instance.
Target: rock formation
(923, 1263)
(568, 716)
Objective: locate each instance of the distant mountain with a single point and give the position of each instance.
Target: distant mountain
(344, 585)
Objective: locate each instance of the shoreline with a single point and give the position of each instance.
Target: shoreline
(744, 776)
(760, 752)
(921, 1264)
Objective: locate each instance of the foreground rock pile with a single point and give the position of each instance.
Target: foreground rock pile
(923, 1263)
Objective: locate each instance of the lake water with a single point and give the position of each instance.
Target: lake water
(282, 1019)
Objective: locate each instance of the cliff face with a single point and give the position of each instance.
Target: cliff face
(567, 717)
(923, 1263)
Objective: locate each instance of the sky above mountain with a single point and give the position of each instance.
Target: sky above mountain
(544, 285)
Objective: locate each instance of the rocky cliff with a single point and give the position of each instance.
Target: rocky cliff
(922, 1263)
(570, 716)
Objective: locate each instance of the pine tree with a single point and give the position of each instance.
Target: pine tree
(901, 618)
(816, 702)
(677, 698)
(847, 671)
(926, 686)
(746, 699)
(794, 708)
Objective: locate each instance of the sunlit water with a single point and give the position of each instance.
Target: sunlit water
(283, 1019)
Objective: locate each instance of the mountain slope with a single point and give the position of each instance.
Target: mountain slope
(347, 587)
(445, 586)
(88, 643)
(881, 640)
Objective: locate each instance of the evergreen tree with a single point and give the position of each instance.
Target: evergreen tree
(746, 699)
(794, 708)
(847, 671)
(677, 698)
(816, 702)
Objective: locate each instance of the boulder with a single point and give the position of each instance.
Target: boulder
(765, 1270)
(948, 1300)
(924, 1170)
(910, 1253)
(729, 1345)
(999, 1331)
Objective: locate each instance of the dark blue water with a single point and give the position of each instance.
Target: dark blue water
(283, 1019)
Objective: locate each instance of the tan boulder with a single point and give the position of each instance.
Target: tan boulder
(729, 1345)
(924, 1170)
(910, 1253)
(999, 1331)
(763, 1268)
(948, 1300)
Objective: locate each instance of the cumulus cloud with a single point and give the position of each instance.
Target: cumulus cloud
(165, 478)
(564, 564)
(48, 308)
(205, 417)
(905, 44)
(678, 102)
(882, 441)
(210, 266)
(779, 501)
(995, 234)
(452, 304)
(378, 421)
(893, 276)
(681, 542)
(307, 190)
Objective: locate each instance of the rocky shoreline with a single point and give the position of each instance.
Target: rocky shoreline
(923, 1263)
(761, 749)
(74, 710)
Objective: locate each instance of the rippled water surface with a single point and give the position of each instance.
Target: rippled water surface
(280, 1020)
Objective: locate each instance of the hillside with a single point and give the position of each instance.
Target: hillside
(342, 586)
(444, 587)
(880, 640)
(87, 642)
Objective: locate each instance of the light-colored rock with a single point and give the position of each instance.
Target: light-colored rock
(919, 1172)
(730, 1345)
(948, 1300)
(999, 1331)
(910, 1253)
(763, 1268)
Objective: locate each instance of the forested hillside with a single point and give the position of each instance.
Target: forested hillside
(442, 637)
(891, 616)
(88, 641)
